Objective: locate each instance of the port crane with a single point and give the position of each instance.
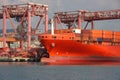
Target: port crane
(22, 13)
(79, 16)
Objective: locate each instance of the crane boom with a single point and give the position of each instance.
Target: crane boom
(102, 15)
(67, 17)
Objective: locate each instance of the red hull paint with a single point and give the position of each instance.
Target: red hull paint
(71, 51)
(72, 48)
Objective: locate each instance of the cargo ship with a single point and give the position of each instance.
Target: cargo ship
(78, 44)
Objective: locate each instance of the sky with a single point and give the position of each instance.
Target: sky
(72, 5)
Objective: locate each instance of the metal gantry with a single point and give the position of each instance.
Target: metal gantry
(81, 15)
(24, 10)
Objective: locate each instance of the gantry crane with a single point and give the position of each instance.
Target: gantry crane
(20, 11)
(79, 16)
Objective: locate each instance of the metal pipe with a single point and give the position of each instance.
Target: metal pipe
(36, 28)
(55, 24)
(52, 27)
(4, 28)
(92, 24)
(79, 22)
(46, 20)
(29, 28)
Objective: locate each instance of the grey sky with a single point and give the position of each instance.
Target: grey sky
(71, 5)
(58, 5)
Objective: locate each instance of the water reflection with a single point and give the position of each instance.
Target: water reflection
(48, 71)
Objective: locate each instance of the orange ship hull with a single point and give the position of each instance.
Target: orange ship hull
(71, 51)
(89, 45)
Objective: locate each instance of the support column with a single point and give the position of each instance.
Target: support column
(4, 28)
(55, 24)
(29, 28)
(21, 44)
(79, 22)
(46, 20)
(92, 24)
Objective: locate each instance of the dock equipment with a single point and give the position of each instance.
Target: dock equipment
(71, 17)
(22, 13)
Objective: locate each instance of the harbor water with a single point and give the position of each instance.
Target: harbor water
(40, 71)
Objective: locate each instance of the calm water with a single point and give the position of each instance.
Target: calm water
(38, 71)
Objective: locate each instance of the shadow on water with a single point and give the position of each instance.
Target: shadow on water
(86, 63)
(97, 63)
(21, 63)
